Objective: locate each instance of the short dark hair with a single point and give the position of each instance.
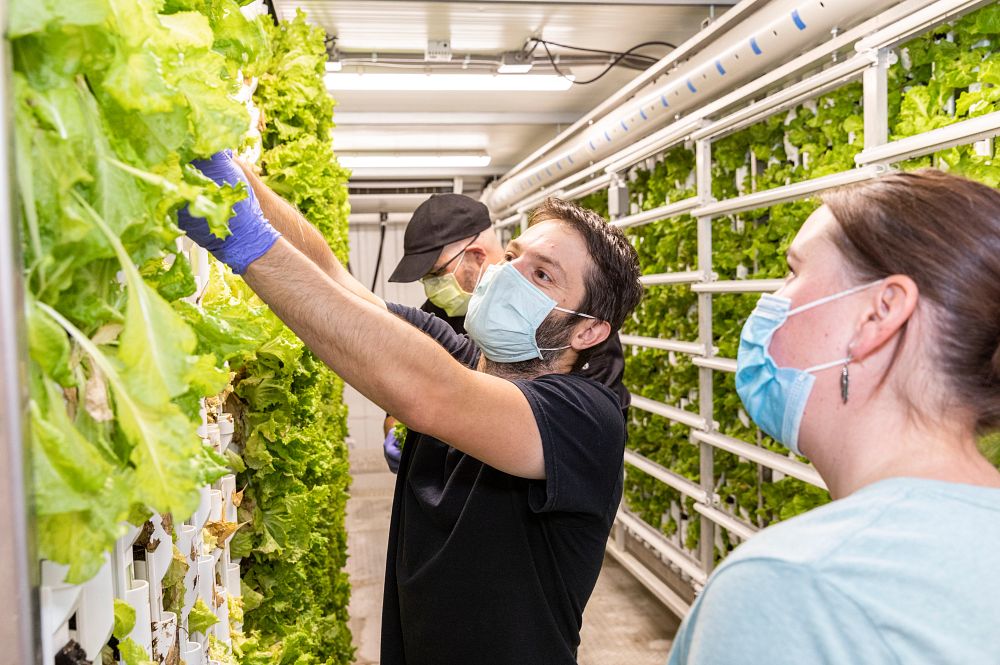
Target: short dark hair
(612, 287)
(943, 232)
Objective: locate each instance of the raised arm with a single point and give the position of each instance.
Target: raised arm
(395, 365)
(291, 224)
(398, 367)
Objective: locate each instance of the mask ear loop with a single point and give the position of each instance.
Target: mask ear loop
(479, 277)
(831, 298)
(570, 311)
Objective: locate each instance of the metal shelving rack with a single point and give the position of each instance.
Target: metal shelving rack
(873, 43)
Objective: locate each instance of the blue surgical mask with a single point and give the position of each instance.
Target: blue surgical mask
(504, 313)
(775, 397)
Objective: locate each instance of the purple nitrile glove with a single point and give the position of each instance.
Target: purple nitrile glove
(250, 234)
(392, 451)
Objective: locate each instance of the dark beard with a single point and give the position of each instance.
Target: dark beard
(555, 331)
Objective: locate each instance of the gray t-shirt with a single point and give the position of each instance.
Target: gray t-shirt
(903, 571)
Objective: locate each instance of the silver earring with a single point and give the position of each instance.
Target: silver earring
(845, 380)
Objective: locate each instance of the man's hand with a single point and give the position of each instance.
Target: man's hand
(251, 235)
(393, 452)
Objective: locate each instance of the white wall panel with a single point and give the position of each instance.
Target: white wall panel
(364, 419)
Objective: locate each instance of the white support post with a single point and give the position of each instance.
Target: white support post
(19, 574)
(875, 97)
(618, 202)
(703, 175)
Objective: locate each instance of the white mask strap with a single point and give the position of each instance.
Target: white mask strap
(459, 264)
(835, 296)
(833, 363)
(569, 311)
(479, 277)
(558, 348)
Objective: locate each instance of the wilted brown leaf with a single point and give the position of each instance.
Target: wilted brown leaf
(215, 533)
(167, 521)
(95, 396)
(71, 396)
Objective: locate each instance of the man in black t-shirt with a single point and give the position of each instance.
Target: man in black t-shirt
(505, 499)
(448, 243)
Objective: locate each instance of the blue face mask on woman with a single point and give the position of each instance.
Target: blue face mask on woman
(775, 397)
(504, 313)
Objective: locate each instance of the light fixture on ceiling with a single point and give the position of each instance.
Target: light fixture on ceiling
(434, 82)
(515, 62)
(414, 160)
(356, 140)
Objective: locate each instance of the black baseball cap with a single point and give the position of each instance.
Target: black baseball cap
(441, 219)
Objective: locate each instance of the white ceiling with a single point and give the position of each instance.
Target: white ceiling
(506, 125)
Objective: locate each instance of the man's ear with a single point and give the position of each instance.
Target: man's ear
(472, 266)
(477, 254)
(591, 333)
(890, 307)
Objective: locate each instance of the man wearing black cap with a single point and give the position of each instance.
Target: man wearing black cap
(507, 494)
(447, 244)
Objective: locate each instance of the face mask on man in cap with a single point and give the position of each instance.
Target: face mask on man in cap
(444, 290)
(439, 221)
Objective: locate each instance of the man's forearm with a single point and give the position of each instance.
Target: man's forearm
(350, 336)
(401, 369)
(291, 224)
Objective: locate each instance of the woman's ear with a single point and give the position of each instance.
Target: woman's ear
(890, 307)
(590, 334)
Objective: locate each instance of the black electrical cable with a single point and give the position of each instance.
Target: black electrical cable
(271, 11)
(538, 41)
(614, 63)
(378, 259)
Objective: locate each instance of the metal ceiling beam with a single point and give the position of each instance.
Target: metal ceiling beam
(349, 119)
(697, 42)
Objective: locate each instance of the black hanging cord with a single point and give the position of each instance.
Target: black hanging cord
(607, 69)
(269, 4)
(536, 41)
(381, 246)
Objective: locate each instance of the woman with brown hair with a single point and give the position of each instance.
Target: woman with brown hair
(879, 360)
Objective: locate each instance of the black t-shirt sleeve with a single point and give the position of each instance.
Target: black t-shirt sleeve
(583, 442)
(457, 323)
(459, 346)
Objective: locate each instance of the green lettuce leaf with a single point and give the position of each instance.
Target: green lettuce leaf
(133, 654)
(200, 619)
(124, 619)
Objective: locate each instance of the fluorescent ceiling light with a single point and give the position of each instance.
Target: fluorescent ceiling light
(515, 62)
(420, 82)
(353, 140)
(522, 68)
(414, 160)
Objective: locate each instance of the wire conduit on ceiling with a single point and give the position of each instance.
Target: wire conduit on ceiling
(768, 37)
